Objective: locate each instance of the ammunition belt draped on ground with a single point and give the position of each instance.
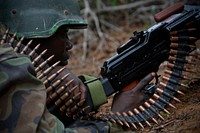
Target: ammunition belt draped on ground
(176, 74)
(182, 57)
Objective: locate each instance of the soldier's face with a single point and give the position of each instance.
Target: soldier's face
(58, 45)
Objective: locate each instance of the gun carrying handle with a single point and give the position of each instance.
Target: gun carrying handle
(174, 9)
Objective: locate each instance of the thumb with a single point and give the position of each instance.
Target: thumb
(145, 81)
(83, 92)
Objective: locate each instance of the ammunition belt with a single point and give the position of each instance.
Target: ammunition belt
(68, 107)
(60, 99)
(177, 75)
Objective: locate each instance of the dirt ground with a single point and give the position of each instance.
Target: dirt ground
(184, 119)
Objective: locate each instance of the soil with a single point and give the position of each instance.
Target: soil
(185, 118)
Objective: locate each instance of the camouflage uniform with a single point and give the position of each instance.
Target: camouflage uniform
(23, 98)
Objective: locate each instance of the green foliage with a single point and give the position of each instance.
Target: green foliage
(114, 2)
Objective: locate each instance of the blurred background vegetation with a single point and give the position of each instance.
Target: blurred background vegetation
(110, 24)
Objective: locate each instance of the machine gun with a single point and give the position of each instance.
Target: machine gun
(172, 39)
(141, 55)
(146, 50)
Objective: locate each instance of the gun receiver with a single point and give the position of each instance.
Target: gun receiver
(143, 53)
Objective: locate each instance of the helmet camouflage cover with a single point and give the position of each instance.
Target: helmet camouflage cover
(40, 18)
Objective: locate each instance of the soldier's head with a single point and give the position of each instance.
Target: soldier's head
(46, 22)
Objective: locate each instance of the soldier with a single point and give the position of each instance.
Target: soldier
(23, 96)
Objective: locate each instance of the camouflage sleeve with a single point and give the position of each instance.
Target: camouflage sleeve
(23, 98)
(83, 126)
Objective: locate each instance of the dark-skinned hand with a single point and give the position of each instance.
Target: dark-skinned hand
(76, 81)
(56, 101)
(124, 101)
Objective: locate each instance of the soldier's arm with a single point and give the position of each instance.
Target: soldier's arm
(23, 99)
(95, 127)
(23, 96)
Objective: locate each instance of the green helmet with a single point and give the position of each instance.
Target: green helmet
(40, 18)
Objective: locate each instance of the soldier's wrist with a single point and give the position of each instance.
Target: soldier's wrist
(95, 89)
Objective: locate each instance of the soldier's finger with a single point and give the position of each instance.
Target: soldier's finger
(145, 81)
(83, 91)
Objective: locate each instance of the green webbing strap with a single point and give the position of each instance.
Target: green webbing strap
(96, 90)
